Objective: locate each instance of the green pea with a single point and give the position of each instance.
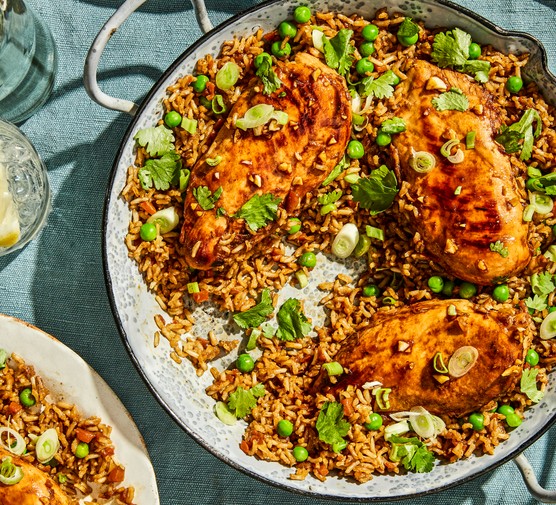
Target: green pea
(366, 49)
(279, 51)
(532, 357)
(513, 420)
(436, 283)
(474, 51)
(467, 290)
(514, 84)
(355, 149)
(408, 41)
(294, 225)
(284, 428)
(308, 259)
(364, 66)
(245, 363)
(370, 32)
(200, 83)
(300, 453)
(505, 410)
(383, 139)
(302, 14)
(501, 293)
(477, 420)
(371, 290)
(148, 232)
(172, 119)
(374, 423)
(260, 58)
(82, 450)
(448, 288)
(287, 29)
(26, 397)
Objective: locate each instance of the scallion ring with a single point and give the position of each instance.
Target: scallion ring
(462, 360)
(317, 37)
(189, 125)
(333, 368)
(47, 446)
(528, 212)
(446, 151)
(345, 241)
(422, 161)
(261, 114)
(12, 442)
(10, 473)
(302, 278)
(166, 219)
(382, 395)
(548, 327)
(213, 162)
(217, 104)
(3, 358)
(396, 429)
(227, 76)
(438, 363)
(542, 203)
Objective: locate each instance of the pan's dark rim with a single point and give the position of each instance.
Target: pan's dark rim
(155, 90)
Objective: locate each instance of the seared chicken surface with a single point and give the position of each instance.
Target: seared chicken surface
(286, 161)
(399, 347)
(459, 229)
(35, 488)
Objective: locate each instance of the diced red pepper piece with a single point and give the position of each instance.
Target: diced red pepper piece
(84, 435)
(117, 474)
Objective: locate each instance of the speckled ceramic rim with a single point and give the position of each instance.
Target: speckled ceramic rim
(153, 92)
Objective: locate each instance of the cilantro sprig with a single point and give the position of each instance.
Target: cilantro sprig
(268, 77)
(338, 51)
(521, 135)
(381, 87)
(292, 323)
(329, 198)
(412, 453)
(205, 198)
(161, 172)
(528, 385)
(336, 171)
(451, 100)
(408, 29)
(242, 401)
(499, 248)
(157, 140)
(259, 210)
(331, 426)
(257, 315)
(377, 191)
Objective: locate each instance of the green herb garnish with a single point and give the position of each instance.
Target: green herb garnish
(292, 323)
(412, 453)
(162, 172)
(205, 197)
(259, 210)
(381, 87)
(451, 100)
(521, 135)
(270, 80)
(499, 248)
(257, 315)
(338, 52)
(242, 401)
(528, 385)
(336, 171)
(331, 426)
(393, 126)
(377, 191)
(157, 140)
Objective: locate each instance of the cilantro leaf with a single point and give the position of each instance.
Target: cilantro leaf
(338, 52)
(451, 100)
(381, 87)
(377, 191)
(270, 80)
(157, 140)
(205, 198)
(528, 385)
(162, 172)
(329, 198)
(412, 453)
(242, 401)
(536, 303)
(336, 171)
(499, 248)
(542, 284)
(408, 28)
(258, 211)
(393, 126)
(451, 48)
(481, 76)
(292, 323)
(480, 68)
(255, 316)
(510, 136)
(331, 426)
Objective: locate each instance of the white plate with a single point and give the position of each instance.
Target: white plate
(70, 379)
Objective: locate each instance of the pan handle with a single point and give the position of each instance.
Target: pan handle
(98, 45)
(528, 474)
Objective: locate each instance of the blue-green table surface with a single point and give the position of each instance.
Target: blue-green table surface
(57, 281)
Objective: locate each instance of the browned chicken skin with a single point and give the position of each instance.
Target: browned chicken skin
(36, 487)
(287, 163)
(425, 328)
(459, 229)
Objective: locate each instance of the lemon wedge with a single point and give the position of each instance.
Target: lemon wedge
(9, 218)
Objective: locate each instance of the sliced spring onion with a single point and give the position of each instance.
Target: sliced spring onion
(382, 395)
(528, 213)
(422, 422)
(534, 172)
(12, 442)
(388, 300)
(10, 473)
(302, 279)
(548, 327)
(217, 104)
(47, 446)
(396, 429)
(470, 140)
(423, 425)
(333, 368)
(167, 219)
(362, 247)
(261, 114)
(318, 43)
(452, 311)
(446, 149)
(550, 253)
(358, 120)
(356, 103)
(352, 178)
(185, 174)
(457, 191)
(327, 209)
(193, 287)
(280, 117)
(3, 358)
(456, 158)
(224, 414)
(541, 203)
(438, 363)
(252, 342)
(346, 240)
(462, 360)
(375, 233)
(189, 125)
(212, 162)
(227, 76)
(422, 161)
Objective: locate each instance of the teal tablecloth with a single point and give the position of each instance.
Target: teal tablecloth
(57, 281)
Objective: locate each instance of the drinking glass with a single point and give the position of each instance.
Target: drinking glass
(24, 189)
(27, 61)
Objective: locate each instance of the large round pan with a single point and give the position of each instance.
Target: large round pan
(177, 387)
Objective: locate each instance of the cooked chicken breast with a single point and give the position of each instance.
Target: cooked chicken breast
(286, 162)
(459, 229)
(398, 351)
(36, 487)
